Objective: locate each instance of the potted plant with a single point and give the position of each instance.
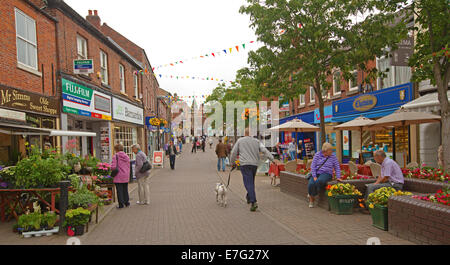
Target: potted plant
(49, 220)
(82, 198)
(377, 204)
(75, 221)
(342, 198)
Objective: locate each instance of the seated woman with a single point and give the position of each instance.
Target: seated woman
(322, 171)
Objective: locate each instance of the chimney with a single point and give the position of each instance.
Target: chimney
(94, 19)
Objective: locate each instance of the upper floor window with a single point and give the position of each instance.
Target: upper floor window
(353, 84)
(122, 78)
(81, 48)
(395, 75)
(136, 90)
(337, 83)
(104, 67)
(26, 40)
(301, 101)
(312, 95)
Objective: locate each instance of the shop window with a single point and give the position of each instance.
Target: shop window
(127, 136)
(104, 67)
(26, 40)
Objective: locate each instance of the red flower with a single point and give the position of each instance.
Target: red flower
(70, 231)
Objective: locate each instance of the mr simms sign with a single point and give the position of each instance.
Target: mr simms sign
(26, 101)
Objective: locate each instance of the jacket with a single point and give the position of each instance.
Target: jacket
(332, 163)
(140, 160)
(248, 149)
(122, 161)
(221, 150)
(171, 152)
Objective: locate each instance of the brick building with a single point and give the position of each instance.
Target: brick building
(28, 102)
(108, 101)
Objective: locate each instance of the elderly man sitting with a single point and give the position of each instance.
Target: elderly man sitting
(391, 174)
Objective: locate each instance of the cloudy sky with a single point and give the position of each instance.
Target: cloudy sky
(174, 30)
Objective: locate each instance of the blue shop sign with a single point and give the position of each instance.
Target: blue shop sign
(374, 104)
(328, 111)
(307, 117)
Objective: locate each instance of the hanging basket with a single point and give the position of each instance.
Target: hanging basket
(342, 204)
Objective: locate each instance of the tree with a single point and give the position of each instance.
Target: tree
(431, 57)
(305, 40)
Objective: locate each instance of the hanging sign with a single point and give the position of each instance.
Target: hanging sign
(84, 101)
(18, 99)
(83, 66)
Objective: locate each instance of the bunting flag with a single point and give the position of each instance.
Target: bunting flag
(214, 55)
(192, 77)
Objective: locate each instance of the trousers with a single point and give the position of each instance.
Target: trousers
(248, 175)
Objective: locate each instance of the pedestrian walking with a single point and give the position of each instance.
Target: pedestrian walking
(172, 153)
(221, 152)
(194, 145)
(292, 150)
(322, 171)
(142, 177)
(248, 149)
(121, 161)
(210, 142)
(203, 143)
(180, 144)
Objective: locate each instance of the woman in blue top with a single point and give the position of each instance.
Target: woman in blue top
(322, 171)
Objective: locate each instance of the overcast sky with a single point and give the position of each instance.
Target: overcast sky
(173, 30)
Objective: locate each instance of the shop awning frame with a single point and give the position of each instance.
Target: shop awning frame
(28, 130)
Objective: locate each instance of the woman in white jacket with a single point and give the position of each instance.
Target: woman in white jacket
(143, 185)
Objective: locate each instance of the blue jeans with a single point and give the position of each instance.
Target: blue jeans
(221, 160)
(292, 154)
(314, 187)
(248, 174)
(181, 147)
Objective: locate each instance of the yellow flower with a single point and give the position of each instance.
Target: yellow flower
(73, 155)
(26, 143)
(371, 206)
(330, 194)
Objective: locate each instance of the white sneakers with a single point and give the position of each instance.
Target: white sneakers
(311, 205)
(142, 203)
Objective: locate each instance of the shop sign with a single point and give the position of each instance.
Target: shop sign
(126, 112)
(158, 157)
(84, 101)
(12, 115)
(27, 101)
(83, 66)
(364, 102)
(328, 111)
(405, 50)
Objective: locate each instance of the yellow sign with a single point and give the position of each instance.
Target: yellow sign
(364, 102)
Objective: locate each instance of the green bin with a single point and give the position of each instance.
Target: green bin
(379, 217)
(342, 204)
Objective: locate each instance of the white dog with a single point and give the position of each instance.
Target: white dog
(221, 194)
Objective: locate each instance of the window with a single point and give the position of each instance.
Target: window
(301, 101)
(26, 40)
(336, 83)
(104, 67)
(81, 47)
(312, 95)
(122, 78)
(384, 65)
(136, 90)
(127, 136)
(353, 84)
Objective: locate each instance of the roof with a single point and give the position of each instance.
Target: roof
(426, 103)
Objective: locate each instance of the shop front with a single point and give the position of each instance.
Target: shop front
(307, 140)
(128, 125)
(24, 116)
(152, 134)
(396, 142)
(86, 109)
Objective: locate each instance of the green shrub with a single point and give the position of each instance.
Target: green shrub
(82, 198)
(75, 217)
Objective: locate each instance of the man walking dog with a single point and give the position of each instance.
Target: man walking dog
(248, 149)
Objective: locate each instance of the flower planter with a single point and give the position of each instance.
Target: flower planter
(40, 233)
(79, 230)
(342, 204)
(379, 217)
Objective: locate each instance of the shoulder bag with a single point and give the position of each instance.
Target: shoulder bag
(145, 167)
(115, 171)
(310, 174)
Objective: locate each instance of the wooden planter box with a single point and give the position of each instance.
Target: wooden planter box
(419, 221)
(297, 185)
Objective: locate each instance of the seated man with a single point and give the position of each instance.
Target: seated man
(391, 174)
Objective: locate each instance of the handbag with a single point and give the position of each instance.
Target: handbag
(115, 171)
(145, 167)
(309, 175)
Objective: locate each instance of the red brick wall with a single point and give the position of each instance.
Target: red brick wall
(10, 74)
(67, 43)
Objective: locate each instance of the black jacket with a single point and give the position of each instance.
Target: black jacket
(174, 150)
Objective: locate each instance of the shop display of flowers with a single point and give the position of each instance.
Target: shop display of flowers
(304, 171)
(429, 173)
(441, 196)
(102, 169)
(345, 175)
(381, 196)
(342, 189)
(155, 121)
(104, 180)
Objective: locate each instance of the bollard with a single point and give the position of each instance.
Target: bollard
(63, 203)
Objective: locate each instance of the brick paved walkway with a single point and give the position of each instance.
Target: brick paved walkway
(183, 211)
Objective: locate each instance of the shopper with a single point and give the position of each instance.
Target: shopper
(194, 145)
(121, 161)
(142, 178)
(248, 149)
(172, 153)
(221, 152)
(292, 150)
(322, 171)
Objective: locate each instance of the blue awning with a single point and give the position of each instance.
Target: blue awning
(370, 115)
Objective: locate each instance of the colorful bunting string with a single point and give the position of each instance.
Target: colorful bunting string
(187, 77)
(214, 54)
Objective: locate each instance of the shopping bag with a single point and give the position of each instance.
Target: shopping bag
(227, 161)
